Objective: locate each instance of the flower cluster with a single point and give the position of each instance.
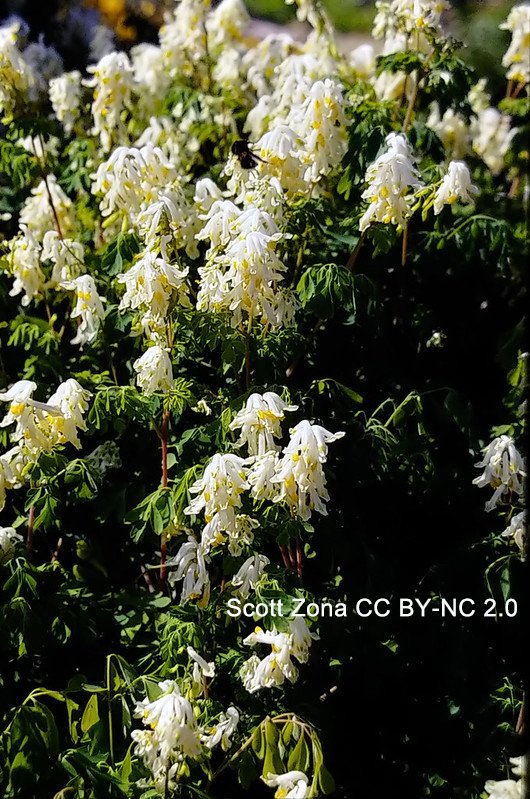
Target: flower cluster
(517, 57)
(510, 789)
(39, 426)
(504, 470)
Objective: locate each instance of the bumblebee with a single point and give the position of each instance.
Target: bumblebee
(244, 154)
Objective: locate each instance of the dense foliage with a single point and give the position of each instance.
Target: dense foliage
(262, 372)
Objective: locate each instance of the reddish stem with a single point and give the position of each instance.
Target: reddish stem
(286, 557)
(299, 558)
(29, 537)
(163, 542)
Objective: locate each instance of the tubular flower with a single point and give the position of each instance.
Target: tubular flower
(65, 97)
(16, 76)
(201, 669)
(300, 475)
(249, 574)
(517, 57)
(151, 283)
(390, 180)
(28, 415)
(517, 530)
(24, 263)
(66, 255)
(452, 130)
(222, 731)
(190, 562)
(9, 538)
(71, 400)
(456, 185)
(492, 135)
(47, 207)
(275, 668)
(259, 422)
(504, 469)
(113, 83)
(172, 733)
(88, 308)
(154, 371)
(292, 785)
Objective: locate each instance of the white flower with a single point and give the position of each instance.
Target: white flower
(517, 57)
(65, 97)
(183, 38)
(24, 263)
(259, 422)
(452, 130)
(66, 255)
(190, 562)
(151, 283)
(275, 668)
(301, 638)
(362, 60)
(113, 83)
(518, 531)
(12, 467)
(154, 371)
(201, 669)
(249, 574)
(390, 180)
(47, 206)
(322, 125)
(223, 481)
(300, 474)
(504, 469)
(172, 724)
(292, 785)
(16, 76)
(492, 135)
(260, 476)
(225, 23)
(88, 308)
(71, 400)
(456, 185)
(29, 416)
(222, 731)
(9, 538)
(505, 789)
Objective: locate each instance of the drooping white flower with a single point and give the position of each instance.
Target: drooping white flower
(517, 57)
(300, 476)
(274, 668)
(172, 732)
(113, 84)
(16, 76)
(201, 669)
(452, 130)
(190, 562)
(66, 255)
(492, 135)
(504, 469)
(456, 185)
(362, 59)
(249, 574)
(391, 179)
(88, 308)
(222, 731)
(292, 785)
(260, 476)
(183, 38)
(47, 207)
(322, 125)
(9, 538)
(71, 399)
(154, 371)
(301, 638)
(225, 24)
(505, 789)
(259, 422)
(24, 258)
(151, 283)
(65, 97)
(27, 414)
(517, 530)
(131, 179)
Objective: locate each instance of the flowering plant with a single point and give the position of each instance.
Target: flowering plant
(237, 381)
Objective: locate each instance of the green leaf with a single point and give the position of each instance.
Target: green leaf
(90, 714)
